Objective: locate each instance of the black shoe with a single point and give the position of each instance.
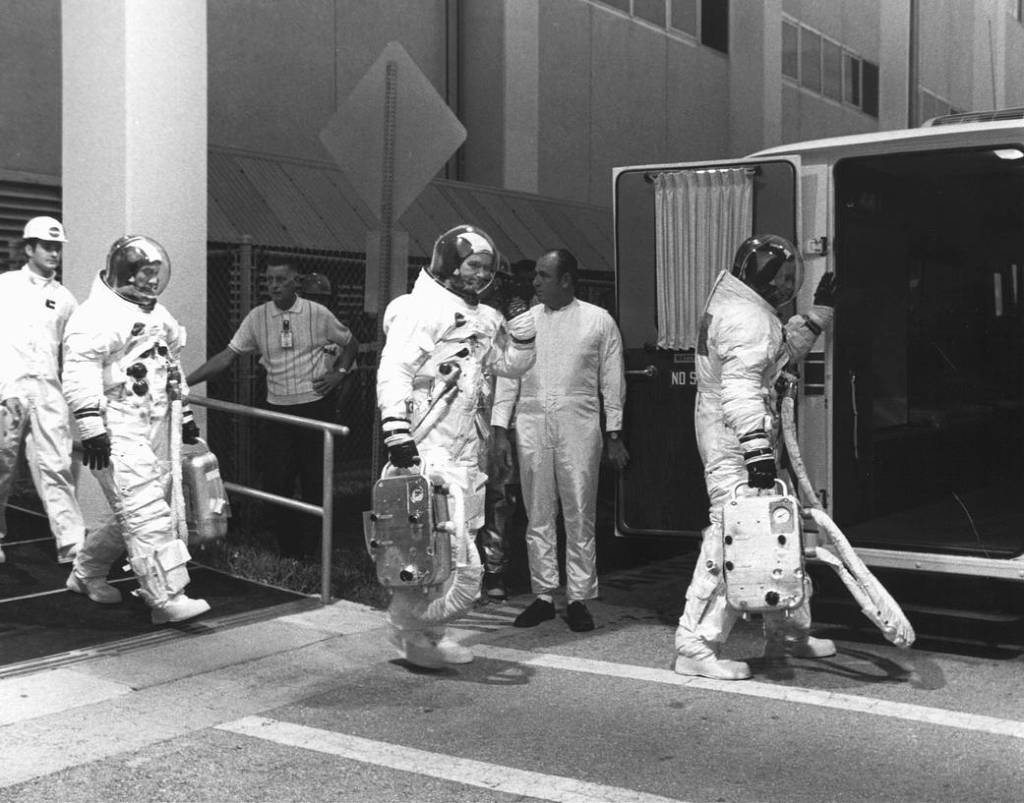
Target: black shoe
(580, 619)
(539, 611)
(494, 587)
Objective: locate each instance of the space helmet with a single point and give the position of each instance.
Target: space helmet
(771, 266)
(465, 261)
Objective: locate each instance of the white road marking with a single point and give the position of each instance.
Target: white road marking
(31, 696)
(493, 777)
(751, 688)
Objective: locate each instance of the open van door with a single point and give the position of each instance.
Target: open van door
(676, 227)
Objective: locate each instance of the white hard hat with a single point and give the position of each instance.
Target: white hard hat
(45, 228)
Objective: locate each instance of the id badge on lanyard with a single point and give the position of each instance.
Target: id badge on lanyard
(287, 340)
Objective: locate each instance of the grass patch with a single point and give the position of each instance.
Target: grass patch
(353, 576)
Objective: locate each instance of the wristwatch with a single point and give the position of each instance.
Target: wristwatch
(613, 436)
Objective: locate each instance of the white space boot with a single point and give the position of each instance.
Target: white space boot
(177, 609)
(778, 646)
(703, 661)
(417, 648)
(452, 652)
(95, 588)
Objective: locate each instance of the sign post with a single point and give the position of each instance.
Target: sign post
(391, 136)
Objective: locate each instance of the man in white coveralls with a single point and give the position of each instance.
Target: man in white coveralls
(34, 309)
(558, 405)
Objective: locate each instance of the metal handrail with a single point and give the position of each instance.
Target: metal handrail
(325, 510)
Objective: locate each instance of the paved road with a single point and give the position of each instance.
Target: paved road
(313, 706)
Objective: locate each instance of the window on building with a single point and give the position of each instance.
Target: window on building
(714, 24)
(684, 16)
(20, 201)
(650, 10)
(822, 65)
(707, 20)
(831, 70)
(869, 85)
(621, 5)
(851, 79)
(791, 50)
(810, 60)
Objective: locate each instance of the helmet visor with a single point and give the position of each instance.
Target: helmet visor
(771, 266)
(138, 268)
(465, 261)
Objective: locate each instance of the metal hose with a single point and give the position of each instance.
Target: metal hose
(836, 552)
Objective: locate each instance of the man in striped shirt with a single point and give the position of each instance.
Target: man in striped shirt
(306, 352)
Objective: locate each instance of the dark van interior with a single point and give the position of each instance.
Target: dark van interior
(929, 358)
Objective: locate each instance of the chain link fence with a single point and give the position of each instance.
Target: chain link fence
(236, 284)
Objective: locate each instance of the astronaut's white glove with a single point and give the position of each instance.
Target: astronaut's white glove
(522, 329)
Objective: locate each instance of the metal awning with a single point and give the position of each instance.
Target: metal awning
(294, 203)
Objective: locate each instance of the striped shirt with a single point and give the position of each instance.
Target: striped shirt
(316, 337)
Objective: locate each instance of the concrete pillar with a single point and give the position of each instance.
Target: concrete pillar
(894, 69)
(521, 94)
(989, 85)
(134, 143)
(755, 76)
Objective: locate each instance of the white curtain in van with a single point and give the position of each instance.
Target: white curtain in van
(701, 218)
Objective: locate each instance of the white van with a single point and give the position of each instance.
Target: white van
(911, 410)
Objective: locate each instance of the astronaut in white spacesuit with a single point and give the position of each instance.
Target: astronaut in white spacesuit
(34, 309)
(742, 348)
(121, 351)
(440, 346)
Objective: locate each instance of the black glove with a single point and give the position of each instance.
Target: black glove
(827, 291)
(761, 473)
(403, 454)
(96, 451)
(190, 432)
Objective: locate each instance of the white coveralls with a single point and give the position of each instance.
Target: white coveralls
(559, 442)
(33, 314)
(105, 337)
(500, 498)
(742, 348)
(425, 328)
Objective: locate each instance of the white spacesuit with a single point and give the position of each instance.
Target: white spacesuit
(440, 345)
(34, 309)
(121, 348)
(741, 350)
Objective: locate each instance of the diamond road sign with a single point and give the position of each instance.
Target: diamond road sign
(426, 132)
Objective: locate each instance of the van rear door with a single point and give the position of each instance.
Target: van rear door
(662, 492)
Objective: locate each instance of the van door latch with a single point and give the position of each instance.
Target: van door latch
(817, 245)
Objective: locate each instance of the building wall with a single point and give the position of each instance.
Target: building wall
(481, 90)
(1014, 59)
(30, 81)
(279, 68)
(615, 91)
(598, 87)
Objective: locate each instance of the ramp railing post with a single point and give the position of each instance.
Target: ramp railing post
(327, 520)
(326, 509)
